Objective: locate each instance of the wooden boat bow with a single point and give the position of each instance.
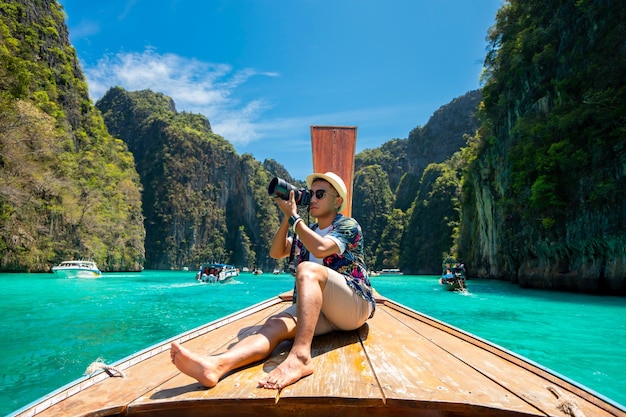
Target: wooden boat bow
(400, 363)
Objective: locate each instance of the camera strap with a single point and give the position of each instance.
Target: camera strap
(292, 265)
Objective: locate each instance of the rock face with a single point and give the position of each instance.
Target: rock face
(202, 202)
(406, 191)
(444, 134)
(543, 201)
(68, 190)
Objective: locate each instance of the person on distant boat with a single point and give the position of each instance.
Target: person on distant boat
(332, 291)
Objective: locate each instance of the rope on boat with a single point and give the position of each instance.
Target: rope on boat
(566, 405)
(99, 364)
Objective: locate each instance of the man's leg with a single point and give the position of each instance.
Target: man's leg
(209, 369)
(310, 282)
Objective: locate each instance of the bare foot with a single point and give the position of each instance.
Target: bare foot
(202, 368)
(288, 372)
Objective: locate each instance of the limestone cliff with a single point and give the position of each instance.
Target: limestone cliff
(410, 202)
(444, 134)
(544, 199)
(68, 190)
(202, 202)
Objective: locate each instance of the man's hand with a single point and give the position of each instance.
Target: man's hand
(288, 207)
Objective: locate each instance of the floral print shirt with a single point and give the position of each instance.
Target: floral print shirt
(350, 263)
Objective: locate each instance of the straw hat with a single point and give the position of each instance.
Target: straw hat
(334, 180)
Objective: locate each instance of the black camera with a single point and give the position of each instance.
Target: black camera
(280, 188)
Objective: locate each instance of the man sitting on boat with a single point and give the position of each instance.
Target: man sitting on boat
(332, 291)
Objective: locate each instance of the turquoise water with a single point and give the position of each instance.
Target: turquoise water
(52, 329)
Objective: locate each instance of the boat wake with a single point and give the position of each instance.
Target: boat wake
(183, 285)
(231, 281)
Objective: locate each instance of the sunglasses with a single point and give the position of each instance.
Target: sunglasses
(319, 194)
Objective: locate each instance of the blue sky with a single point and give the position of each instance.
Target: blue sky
(264, 71)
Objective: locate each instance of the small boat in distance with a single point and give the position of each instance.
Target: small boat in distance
(453, 276)
(216, 273)
(77, 269)
(390, 271)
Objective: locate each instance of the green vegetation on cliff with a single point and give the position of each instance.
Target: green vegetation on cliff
(67, 188)
(544, 200)
(529, 188)
(407, 191)
(202, 202)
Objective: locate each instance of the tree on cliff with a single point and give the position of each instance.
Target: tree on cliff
(68, 189)
(202, 202)
(544, 200)
(423, 175)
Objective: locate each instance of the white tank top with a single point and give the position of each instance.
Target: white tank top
(322, 233)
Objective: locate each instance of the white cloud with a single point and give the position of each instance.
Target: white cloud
(217, 91)
(195, 86)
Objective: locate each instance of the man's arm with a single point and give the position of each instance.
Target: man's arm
(318, 246)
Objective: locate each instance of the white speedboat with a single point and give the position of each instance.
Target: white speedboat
(390, 271)
(217, 273)
(77, 269)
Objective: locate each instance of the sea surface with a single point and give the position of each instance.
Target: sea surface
(51, 329)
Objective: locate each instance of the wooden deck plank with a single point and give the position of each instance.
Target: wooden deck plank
(410, 367)
(333, 150)
(507, 370)
(229, 335)
(240, 384)
(113, 394)
(342, 370)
